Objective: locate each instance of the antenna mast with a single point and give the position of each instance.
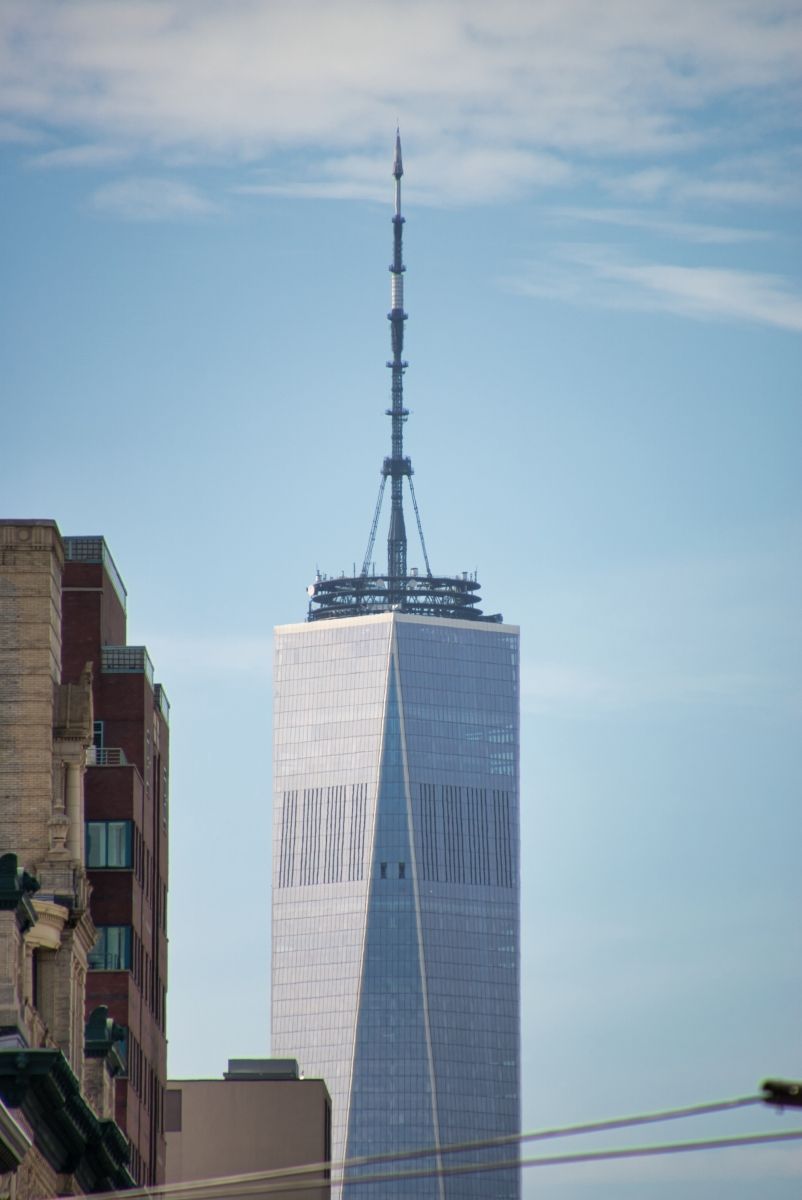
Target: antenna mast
(396, 466)
(366, 593)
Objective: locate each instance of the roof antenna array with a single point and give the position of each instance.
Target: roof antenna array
(398, 590)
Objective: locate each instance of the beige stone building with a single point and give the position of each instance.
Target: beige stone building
(262, 1117)
(56, 1076)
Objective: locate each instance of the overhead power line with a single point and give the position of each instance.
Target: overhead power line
(295, 1178)
(587, 1156)
(288, 1181)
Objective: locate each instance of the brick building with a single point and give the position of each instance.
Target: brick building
(57, 1070)
(126, 836)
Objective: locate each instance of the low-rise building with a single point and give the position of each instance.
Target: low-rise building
(262, 1117)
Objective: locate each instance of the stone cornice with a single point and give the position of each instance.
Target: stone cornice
(32, 535)
(66, 1131)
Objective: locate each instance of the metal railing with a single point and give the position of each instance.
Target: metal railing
(130, 660)
(162, 703)
(106, 756)
(95, 550)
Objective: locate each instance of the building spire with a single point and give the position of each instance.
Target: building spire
(396, 466)
(397, 591)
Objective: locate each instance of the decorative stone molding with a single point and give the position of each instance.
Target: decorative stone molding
(32, 535)
(51, 919)
(73, 712)
(58, 827)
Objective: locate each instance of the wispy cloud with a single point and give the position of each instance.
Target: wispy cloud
(529, 85)
(454, 176)
(679, 230)
(14, 131)
(90, 155)
(150, 199)
(762, 178)
(595, 275)
(707, 292)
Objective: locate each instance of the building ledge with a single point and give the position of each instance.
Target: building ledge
(14, 1141)
(66, 1131)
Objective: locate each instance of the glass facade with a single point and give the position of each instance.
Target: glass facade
(396, 888)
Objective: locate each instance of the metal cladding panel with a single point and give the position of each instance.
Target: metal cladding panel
(391, 1107)
(329, 695)
(460, 704)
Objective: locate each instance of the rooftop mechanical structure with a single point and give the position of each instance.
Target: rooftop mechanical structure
(399, 590)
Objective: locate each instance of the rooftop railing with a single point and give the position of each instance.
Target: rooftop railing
(95, 550)
(126, 660)
(106, 756)
(161, 701)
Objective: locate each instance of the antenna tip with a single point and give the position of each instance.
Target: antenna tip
(398, 166)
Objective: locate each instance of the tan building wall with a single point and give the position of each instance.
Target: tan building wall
(32, 560)
(239, 1126)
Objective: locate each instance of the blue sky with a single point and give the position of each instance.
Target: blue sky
(603, 253)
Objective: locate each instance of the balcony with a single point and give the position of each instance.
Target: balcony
(106, 756)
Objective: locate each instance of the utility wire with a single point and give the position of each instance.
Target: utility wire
(276, 1183)
(249, 1182)
(749, 1139)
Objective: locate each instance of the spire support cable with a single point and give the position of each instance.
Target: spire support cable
(374, 526)
(420, 528)
(363, 594)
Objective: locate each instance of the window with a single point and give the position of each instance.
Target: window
(108, 843)
(97, 735)
(112, 951)
(172, 1110)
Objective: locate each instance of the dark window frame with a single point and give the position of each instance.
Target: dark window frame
(97, 846)
(111, 952)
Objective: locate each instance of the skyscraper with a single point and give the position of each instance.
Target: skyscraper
(395, 965)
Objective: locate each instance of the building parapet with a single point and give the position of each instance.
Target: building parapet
(126, 660)
(263, 1068)
(95, 550)
(32, 535)
(162, 703)
(67, 1133)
